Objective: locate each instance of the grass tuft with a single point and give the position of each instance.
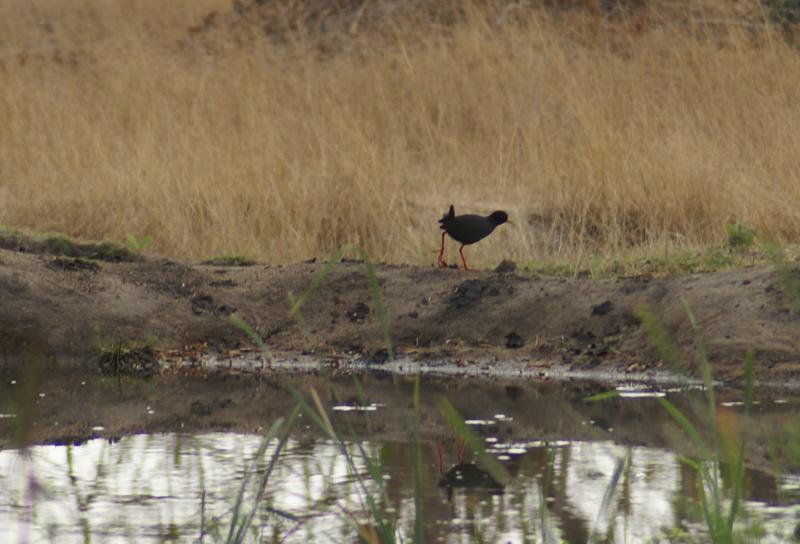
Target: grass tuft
(63, 246)
(234, 259)
(788, 275)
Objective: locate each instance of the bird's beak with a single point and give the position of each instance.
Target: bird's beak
(510, 222)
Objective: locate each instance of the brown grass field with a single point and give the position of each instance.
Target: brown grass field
(598, 135)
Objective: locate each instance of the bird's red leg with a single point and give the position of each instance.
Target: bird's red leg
(439, 457)
(463, 260)
(461, 444)
(439, 259)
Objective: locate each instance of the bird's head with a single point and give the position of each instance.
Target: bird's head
(498, 217)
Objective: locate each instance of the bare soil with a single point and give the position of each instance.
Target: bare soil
(67, 309)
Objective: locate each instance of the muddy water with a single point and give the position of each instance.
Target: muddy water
(164, 487)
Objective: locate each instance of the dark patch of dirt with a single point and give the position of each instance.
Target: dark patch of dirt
(358, 313)
(74, 265)
(603, 308)
(202, 303)
(70, 308)
(206, 408)
(469, 293)
(514, 341)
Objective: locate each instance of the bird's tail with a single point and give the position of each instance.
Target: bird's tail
(447, 217)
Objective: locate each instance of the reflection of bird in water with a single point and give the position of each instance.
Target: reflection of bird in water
(468, 229)
(469, 475)
(465, 474)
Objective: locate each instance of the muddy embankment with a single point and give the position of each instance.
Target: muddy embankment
(64, 309)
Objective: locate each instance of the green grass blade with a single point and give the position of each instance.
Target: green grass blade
(419, 535)
(738, 476)
(295, 311)
(309, 411)
(608, 496)
(377, 300)
(605, 395)
(237, 320)
(317, 280)
(787, 274)
(287, 430)
(548, 535)
(660, 339)
(385, 528)
(702, 355)
(707, 515)
(712, 518)
(361, 395)
(686, 425)
(235, 526)
(691, 463)
(321, 419)
(708, 384)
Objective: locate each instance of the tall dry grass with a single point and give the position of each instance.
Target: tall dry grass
(594, 136)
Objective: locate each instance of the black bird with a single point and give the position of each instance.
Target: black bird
(468, 229)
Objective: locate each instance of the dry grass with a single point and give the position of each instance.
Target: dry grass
(595, 137)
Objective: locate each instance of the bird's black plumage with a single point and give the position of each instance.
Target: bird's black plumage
(468, 229)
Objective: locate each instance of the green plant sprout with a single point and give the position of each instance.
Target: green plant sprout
(138, 244)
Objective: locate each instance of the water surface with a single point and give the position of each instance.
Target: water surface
(160, 487)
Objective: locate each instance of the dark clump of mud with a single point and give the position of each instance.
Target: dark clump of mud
(469, 293)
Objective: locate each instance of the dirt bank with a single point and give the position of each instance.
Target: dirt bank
(65, 309)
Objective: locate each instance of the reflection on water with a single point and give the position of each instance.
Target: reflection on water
(152, 488)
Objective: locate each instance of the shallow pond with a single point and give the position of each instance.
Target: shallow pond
(570, 486)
